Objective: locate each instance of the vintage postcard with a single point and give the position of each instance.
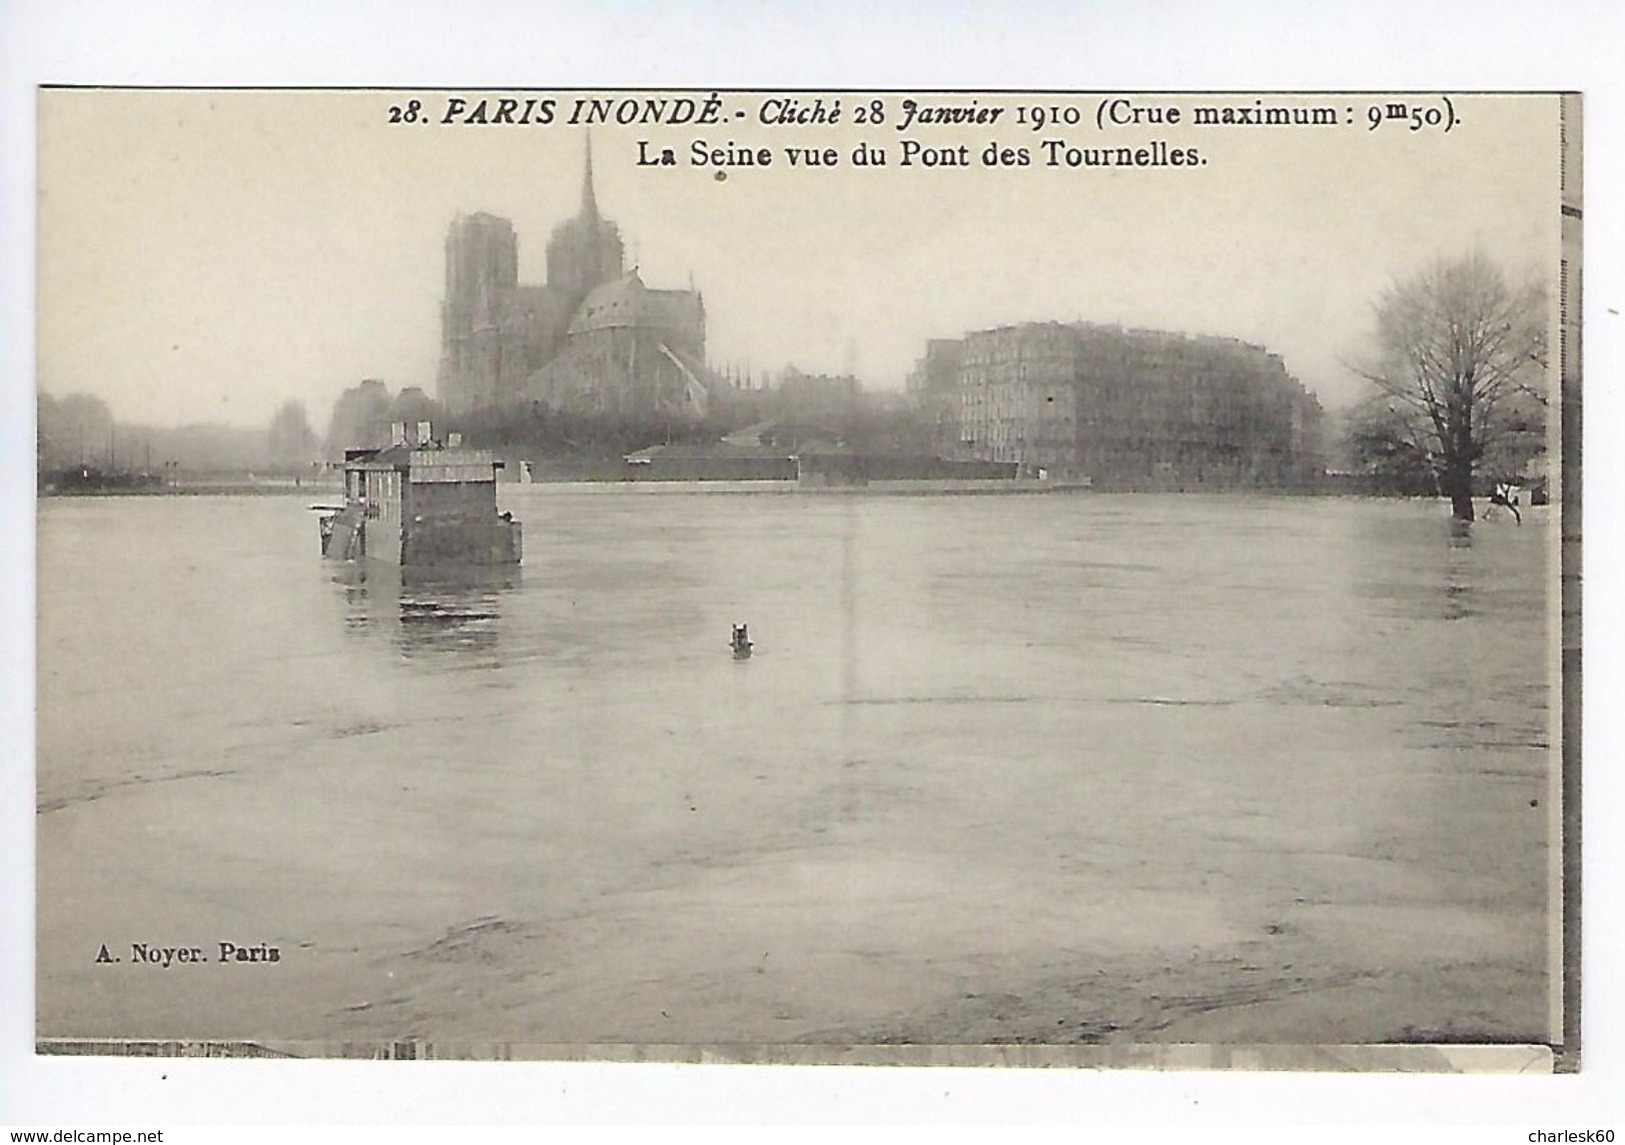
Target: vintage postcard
(1050, 578)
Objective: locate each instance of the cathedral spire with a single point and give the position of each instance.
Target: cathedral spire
(589, 201)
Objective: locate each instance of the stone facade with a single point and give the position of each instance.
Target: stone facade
(593, 339)
(933, 388)
(1126, 407)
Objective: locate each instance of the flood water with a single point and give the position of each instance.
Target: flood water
(1058, 767)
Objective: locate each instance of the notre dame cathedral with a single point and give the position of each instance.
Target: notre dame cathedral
(592, 340)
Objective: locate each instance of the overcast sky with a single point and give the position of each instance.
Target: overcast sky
(208, 255)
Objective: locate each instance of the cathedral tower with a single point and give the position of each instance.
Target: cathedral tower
(482, 261)
(585, 251)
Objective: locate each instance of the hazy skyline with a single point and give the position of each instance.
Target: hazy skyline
(208, 255)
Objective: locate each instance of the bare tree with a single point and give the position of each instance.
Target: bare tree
(1460, 362)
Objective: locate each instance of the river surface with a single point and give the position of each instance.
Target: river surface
(1058, 767)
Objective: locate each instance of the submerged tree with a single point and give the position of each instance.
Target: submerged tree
(1460, 363)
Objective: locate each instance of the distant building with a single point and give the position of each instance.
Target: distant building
(594, 339)
(933, 388)
(1125, 407)
(799, 387)
(820, 405)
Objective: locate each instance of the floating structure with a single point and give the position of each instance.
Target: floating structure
(419, 502)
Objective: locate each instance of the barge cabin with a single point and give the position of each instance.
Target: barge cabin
(419, 502)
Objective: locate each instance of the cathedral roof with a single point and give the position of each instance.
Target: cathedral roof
(626, 301)
(618, 302)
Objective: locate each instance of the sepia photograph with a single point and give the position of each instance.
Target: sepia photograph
(809, 576)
